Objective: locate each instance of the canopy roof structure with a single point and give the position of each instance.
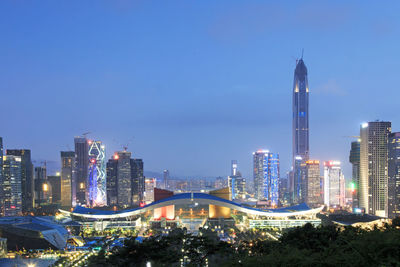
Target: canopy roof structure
(192, 199)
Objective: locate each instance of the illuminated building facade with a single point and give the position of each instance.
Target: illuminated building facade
(96, 182)
(149, 185)
(125, 180)
(67, 175)
(334, 184)
(1, 178)
(312, 183)
(81, 171)
(137, 181)
(42, 193)
(27, 186)
(298, 197)
(300, 111)
(166, 178)
(266, 176)
(373, 186)
(194, 210)
(12, 185)
(54, 185)
(394, 175)
(355, 162)
(236, 183)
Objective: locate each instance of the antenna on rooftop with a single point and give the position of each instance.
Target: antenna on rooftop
(302, 52)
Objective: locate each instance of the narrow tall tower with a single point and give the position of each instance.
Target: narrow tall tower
(300, 112)
(373, 186)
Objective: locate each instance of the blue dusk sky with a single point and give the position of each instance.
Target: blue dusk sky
(196, 83)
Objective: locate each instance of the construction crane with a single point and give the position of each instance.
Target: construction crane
(84, 134)
(126, 145)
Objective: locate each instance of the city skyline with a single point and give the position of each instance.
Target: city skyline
(178, 115)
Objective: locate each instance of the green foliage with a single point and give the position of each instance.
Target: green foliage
(303, 246)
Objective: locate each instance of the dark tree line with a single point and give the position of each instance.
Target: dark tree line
(302, 246)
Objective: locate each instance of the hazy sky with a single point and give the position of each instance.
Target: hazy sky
(196, 83)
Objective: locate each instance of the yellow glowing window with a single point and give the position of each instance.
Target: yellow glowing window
(45, 187)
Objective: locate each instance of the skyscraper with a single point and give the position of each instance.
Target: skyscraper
(236, 183)
(166, 178)
(27, 186)
(150, 184)
(373, 186)
(96, 183)
(42, 194)
(266, 176)
(312, 183)
(12, 185)
(394, 175)
(297, 175)
(81, 170)
(67, 175)
(112, 173)
(355, 162)
(300, 112)
(137, 181)
(334, 187)
(54, 185)
(125, 180)
(300, 130)
(1, 178)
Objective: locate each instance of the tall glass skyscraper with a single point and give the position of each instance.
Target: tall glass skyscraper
(311, 188)
(394, 175)
(300, 112)
(27, 182)
(1, 178)
(12, 186)
(81, 171)
(96, 182)
(266, 176)
(300, 130)
(373, 186)
(67, 175)
(355, 162)
(334, 187)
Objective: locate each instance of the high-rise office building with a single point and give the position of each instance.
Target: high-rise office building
(150, 184)
(296, 175)
(355, 162)
(300, 130)
(394, 175)
(81, 170)
(137, 181)
(1, 178)
(334, 184)
(300, 112)
(112, 173)
(42, 190)
(165, 178)
(125, 180)
(236, 183)
(27, 186)
(12, 185)
(312, 183)
(96, 182)
(266, 176)
(373, 186)
(54, 187)
(67, 176)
